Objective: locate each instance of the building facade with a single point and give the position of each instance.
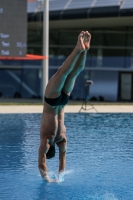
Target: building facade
(110, 59)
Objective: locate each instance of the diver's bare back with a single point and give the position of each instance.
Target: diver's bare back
(52, 122)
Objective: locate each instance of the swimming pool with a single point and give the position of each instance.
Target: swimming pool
(99, 158)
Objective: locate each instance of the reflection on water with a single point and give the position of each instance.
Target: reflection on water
(16, 139)
(11, 137)
(99, 158)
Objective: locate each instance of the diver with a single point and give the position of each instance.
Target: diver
(57, 92)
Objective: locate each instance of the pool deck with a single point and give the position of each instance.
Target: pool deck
(72, 107)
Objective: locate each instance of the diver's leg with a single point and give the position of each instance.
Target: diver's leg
(57, 81)
(70, 81)
(79, 66)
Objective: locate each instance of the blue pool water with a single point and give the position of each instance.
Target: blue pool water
(99, 158)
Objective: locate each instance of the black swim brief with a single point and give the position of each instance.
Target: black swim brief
(61, 100)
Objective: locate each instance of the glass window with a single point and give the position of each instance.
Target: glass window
(34, 42)
(53, 37)
(129, 58)
(130, 38)
(106, 57)
(10, 83)
(110, 47)
(68, 38)
(108, 38)
(30, 86)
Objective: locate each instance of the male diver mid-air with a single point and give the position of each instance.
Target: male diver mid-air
(58, 89)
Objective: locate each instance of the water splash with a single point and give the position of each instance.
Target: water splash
(106, 196)
(59, 177)
(109, 196)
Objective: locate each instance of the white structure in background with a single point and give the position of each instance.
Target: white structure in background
(45, 4)
(45, 45)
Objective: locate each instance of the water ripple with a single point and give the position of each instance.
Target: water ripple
(99, 157)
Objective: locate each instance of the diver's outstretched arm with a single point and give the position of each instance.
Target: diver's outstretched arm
(43, 149)
(62, 154)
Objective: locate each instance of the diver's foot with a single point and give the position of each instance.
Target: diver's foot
(87, 40)
(80, 44)
(83, 42)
